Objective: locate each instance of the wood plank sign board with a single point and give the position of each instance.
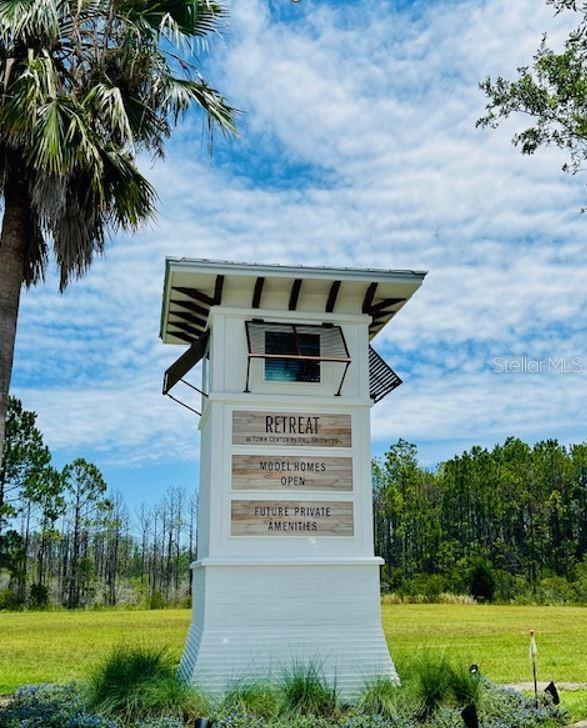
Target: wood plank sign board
(276, 429)
(291, 518)
(291, 472)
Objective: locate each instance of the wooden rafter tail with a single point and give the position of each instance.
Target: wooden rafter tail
(378, 308)
(294, 294)
(382, 318)
(218, 286)
(181, 335)
(195, 294)
(189, 306)
(369, 296)
(186, 327)
(190, 318)
(332, 296)
(258, 291)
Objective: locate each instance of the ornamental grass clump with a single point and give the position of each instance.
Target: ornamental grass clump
(138, 682)
(465, 685)
(305, 691)
(378, 698)
(429, 682)
(251, 698)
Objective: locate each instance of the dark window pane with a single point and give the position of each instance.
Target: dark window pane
(291, 370)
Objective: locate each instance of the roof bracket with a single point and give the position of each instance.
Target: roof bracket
(183, 404)
(180, 367)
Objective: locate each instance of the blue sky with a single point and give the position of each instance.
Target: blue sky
(357, 147)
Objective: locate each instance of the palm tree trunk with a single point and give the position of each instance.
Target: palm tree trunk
(13, 240)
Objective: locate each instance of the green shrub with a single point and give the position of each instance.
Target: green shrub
(481, 580)
(255, 698)
(9, 600)
(305, 691)
(506, 586)
(50, 706)
(430, 586)
(39, 596)
(505, 707)
(157, 601)
(135, 682)
(186, 601)
(555, 590)
(580, 583)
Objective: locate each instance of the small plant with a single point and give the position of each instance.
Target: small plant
(255, 698)
(378, 698)
(136, 682)
(305, 691)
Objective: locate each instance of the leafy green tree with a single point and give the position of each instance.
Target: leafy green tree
(406, 525)
(578, 458)
(26, 458)
(552, 91)
(28, 484)
(11, 550)
(85, 87)
(85, 490)
(50, 502)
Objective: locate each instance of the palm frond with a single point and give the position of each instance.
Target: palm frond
(49, 149)
(78, 232)
(28, 19)
(107, 103)
(180, 17)
(149, 128)
(178, 94)
(132, 198)
(28, 93)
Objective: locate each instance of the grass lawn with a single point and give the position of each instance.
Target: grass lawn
(57, 646)
(494, 637)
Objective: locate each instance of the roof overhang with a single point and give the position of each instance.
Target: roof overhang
(193, 286)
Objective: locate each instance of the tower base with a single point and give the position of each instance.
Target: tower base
(258, 619)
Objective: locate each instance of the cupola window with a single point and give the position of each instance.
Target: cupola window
(288, 369)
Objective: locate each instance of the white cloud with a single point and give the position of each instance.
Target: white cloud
(358, 148)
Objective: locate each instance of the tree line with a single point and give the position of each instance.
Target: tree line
(508, 523)
(65, 540)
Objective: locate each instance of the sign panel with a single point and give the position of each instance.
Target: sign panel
(283, 428)
(291, 472)
(291, 518)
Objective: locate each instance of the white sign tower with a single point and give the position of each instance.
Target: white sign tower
(286, 571)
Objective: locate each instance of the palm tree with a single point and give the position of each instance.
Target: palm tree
(85, 86)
